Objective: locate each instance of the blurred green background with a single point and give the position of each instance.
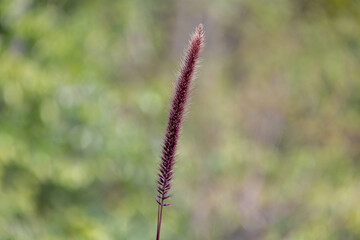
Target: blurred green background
(270, 148)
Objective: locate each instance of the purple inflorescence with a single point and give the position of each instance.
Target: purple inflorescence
(166, 170)
(176, 116)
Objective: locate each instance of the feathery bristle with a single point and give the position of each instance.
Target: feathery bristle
(176, 115)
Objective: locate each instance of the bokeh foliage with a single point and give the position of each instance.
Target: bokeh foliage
(270, 150)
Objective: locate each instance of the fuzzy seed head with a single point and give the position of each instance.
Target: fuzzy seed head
(166, 170)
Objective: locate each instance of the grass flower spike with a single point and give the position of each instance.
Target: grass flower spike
(174, 123)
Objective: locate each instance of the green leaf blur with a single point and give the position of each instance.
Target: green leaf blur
(270, 148)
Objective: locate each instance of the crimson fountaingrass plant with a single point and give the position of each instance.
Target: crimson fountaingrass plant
(181, 95)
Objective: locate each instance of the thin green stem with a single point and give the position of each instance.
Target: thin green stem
(160, 207)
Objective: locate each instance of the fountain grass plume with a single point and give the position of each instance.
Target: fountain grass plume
(166, 170)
